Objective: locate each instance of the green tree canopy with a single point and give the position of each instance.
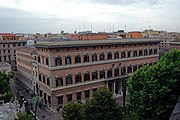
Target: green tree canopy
(73, 111)
(103, 106)
(24, 116)
(3, 83)
(154, 90)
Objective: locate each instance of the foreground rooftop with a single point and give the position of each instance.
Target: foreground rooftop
(79, 43)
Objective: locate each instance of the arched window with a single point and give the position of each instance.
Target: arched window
(135, 53)
(47, 60)
(129, 69)
(102, 74)
(77, 59)
(69, 80)
(94, 57)
(123, 70)
(134, 68)
(145, 52)
(86, 58)
(78, 78)
(155, 51)
(150, 52)
(140, 53)
(59, 82)
(86, 76)
(109, 56)
(116, 72)
(109, 73)
(102, 56)
(58, 61)
(129, 54)
(68, 60)
(94, 75)
(116, 55)
(123, 54)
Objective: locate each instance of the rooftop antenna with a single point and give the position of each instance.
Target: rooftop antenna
(110, 26)
(113, 28)
(125, 28)
(84, 25)
(79, 28)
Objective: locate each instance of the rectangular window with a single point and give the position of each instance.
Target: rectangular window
(42, 59)
(49, 99)
(40, 93)
(60, 100)
(44, 79)
(47, 61)
(129, 54)
(78, 94)
(94, 89)
(69, 97)
(48, 81)
(40, 78)
(87, 93)
(39, 60)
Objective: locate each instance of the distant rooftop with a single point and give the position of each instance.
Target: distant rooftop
(79, 43)
(12, 41)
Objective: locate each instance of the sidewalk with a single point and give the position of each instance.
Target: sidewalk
(42, 113)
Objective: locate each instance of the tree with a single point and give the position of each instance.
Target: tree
(24, 116)
(154, 90)
(36, 100)
(73, 111)
(102, 106)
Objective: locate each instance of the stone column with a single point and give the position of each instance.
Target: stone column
(107, 85)
(114, 87)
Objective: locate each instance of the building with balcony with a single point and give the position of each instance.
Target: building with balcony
(64, 71)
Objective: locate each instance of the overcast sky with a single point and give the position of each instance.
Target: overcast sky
(31, 16)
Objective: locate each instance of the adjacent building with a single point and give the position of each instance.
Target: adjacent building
(64, 71)
(10, 36)
(24, 66)
(134, 35)
(8, 50)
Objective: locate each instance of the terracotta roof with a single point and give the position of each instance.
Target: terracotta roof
(26, 50)
(7, 34)
(135, 32)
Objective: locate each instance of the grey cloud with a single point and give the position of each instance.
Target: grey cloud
(127, 2)
(30, 22)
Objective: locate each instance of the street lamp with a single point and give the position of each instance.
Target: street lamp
(36, 100)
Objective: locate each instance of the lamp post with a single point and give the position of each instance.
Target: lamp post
(36, 101)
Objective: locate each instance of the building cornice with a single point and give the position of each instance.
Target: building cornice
(89, 43)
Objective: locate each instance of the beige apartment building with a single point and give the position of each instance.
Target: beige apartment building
(64, 71)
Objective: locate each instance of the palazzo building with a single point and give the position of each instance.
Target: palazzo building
(64, 71)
